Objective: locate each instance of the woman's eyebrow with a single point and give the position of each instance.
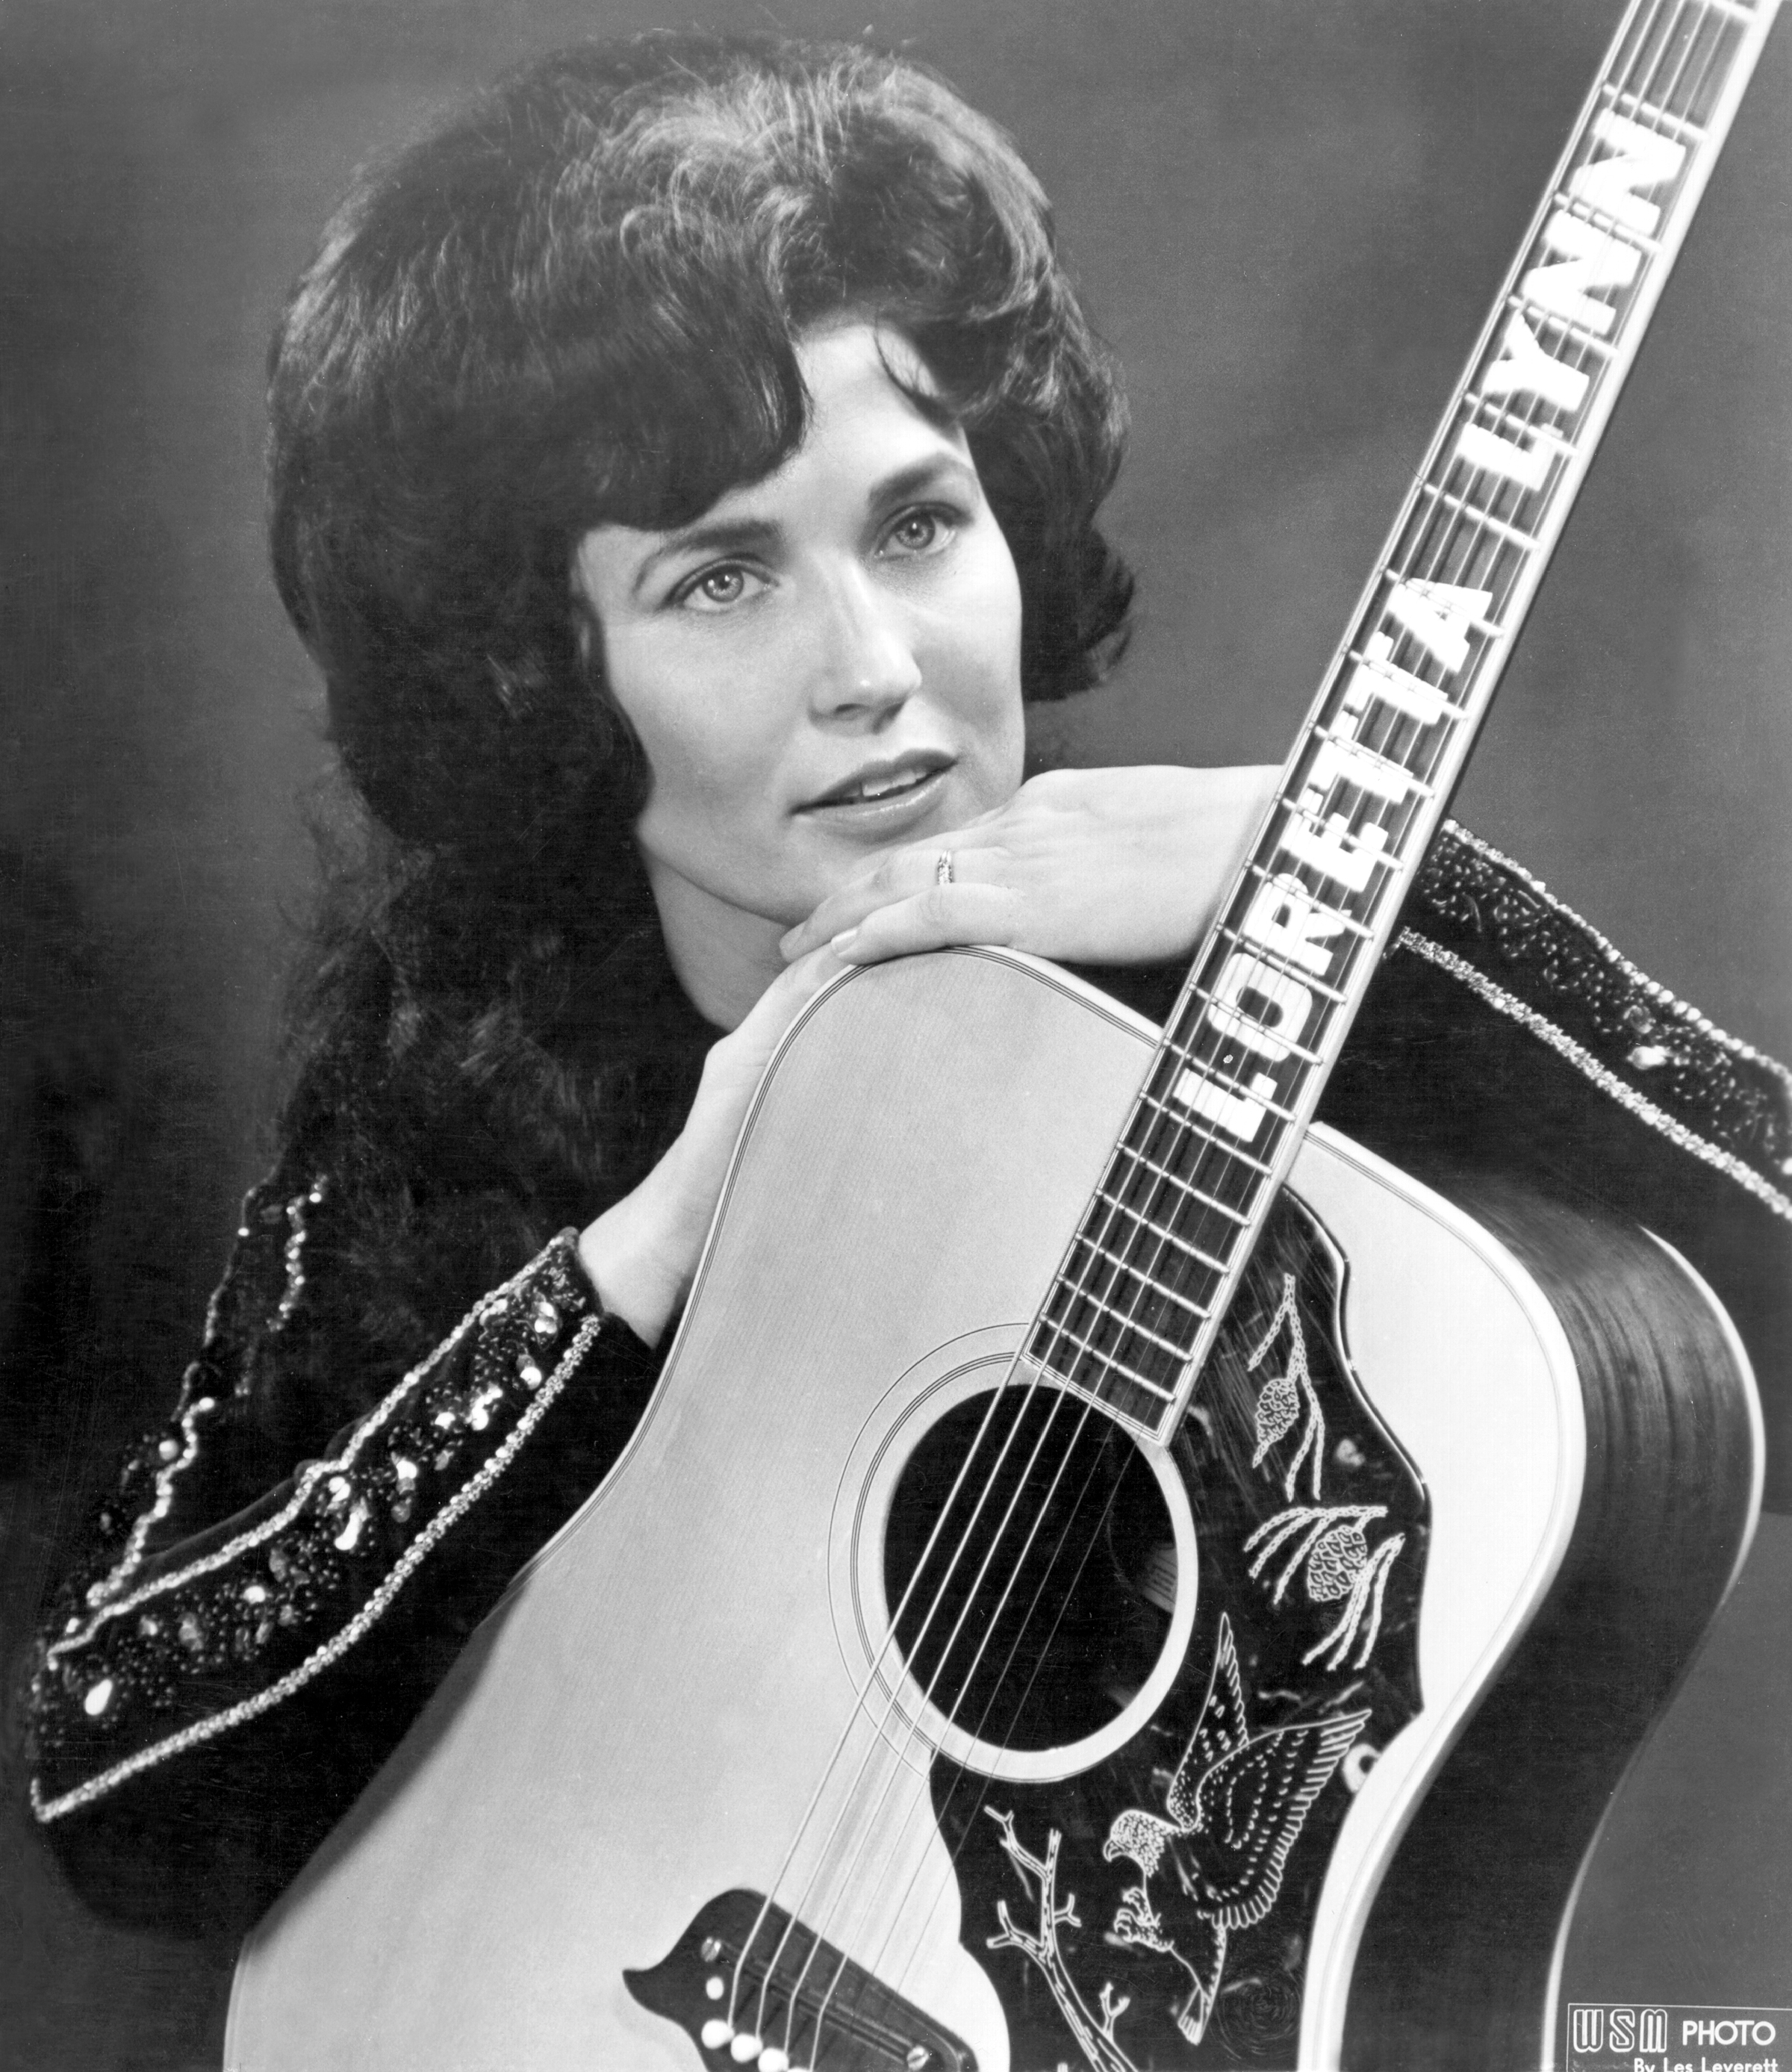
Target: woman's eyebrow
(923, 475)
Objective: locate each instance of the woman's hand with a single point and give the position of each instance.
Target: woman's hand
(642, 1252)
(1090, 867)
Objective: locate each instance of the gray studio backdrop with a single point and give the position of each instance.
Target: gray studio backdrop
(1288, 216)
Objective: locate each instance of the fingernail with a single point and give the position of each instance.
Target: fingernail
(787, 942)
(844, 941)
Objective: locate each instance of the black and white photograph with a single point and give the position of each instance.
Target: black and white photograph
(895, 971)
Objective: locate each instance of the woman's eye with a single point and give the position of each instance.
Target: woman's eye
(919, 532)
(718, 588)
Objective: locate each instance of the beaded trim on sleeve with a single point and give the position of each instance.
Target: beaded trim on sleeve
(1669, 1057)
(178, 1447)
(1584, 1061)
(79, 1635)
(543, 1394)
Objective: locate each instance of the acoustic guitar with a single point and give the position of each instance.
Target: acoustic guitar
(1113, 1575)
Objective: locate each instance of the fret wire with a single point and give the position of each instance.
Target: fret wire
(1186, 1119)
(1129, 1316)
(1318, 985)
(1189, 1215)
(1141, 1272)
(1430, 504)
(1690, 133)
(1081, 1294)
(1485, 519)
(1185, 1050)
(1236, 1215)
(1364, 924)
(1503, 416)
(1529, 421)
(1323, 732)
(1148, 1285)
(1732, 9)
(1129, 1322)
(1316, 819)
(1356, 655)
(1347, 921)
(1167, 1237)
(1625, 233)
(1109, 1360)
(1095, 1229)
(1422, 782)
(1424, 490)
(1384, 859)
(1588, 341)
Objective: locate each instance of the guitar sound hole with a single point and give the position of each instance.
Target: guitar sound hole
(1030, 1564)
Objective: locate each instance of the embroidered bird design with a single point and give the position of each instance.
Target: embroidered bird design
(1238, 1801)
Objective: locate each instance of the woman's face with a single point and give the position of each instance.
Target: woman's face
(824, 662)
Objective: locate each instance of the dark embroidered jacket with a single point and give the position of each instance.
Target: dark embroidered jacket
(238, 1652)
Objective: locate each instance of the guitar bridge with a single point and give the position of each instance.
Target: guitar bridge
(751, 1985)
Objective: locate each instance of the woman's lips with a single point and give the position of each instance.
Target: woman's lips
(884, 797)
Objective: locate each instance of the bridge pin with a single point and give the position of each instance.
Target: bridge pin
(714, 2034)
(714, 1987)
(772, 2059)
(745, 2046)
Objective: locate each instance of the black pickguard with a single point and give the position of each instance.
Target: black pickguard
(1261, 1791)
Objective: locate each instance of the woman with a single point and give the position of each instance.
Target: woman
(684, 466)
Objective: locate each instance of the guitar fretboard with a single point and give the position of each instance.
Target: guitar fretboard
(1144, 1287)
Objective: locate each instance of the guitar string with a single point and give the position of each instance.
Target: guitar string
(1127, 1265)
(983, 1783)
(832, 1867)
(894, 1769)
(878, 1738)
(858, 1708)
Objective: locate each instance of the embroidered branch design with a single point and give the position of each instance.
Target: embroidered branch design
(1329, 1540)
(1094, 2031)
(1285, 1398)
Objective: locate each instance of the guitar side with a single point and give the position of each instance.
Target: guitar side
(641, 1725)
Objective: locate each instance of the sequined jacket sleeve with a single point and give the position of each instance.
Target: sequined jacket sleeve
(233, 1659)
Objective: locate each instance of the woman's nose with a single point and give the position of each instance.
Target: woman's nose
(867, 668)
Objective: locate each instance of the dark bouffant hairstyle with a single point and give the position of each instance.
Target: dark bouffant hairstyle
(578, 303)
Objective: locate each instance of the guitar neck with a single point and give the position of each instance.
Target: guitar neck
(1144, 1287)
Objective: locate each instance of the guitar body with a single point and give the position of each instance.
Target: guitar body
(1331, 1801)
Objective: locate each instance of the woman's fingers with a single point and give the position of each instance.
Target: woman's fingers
(1093, 866)
(899, 875)
(942, 916)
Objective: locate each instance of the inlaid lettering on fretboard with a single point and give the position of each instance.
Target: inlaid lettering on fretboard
(1143, 1286)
